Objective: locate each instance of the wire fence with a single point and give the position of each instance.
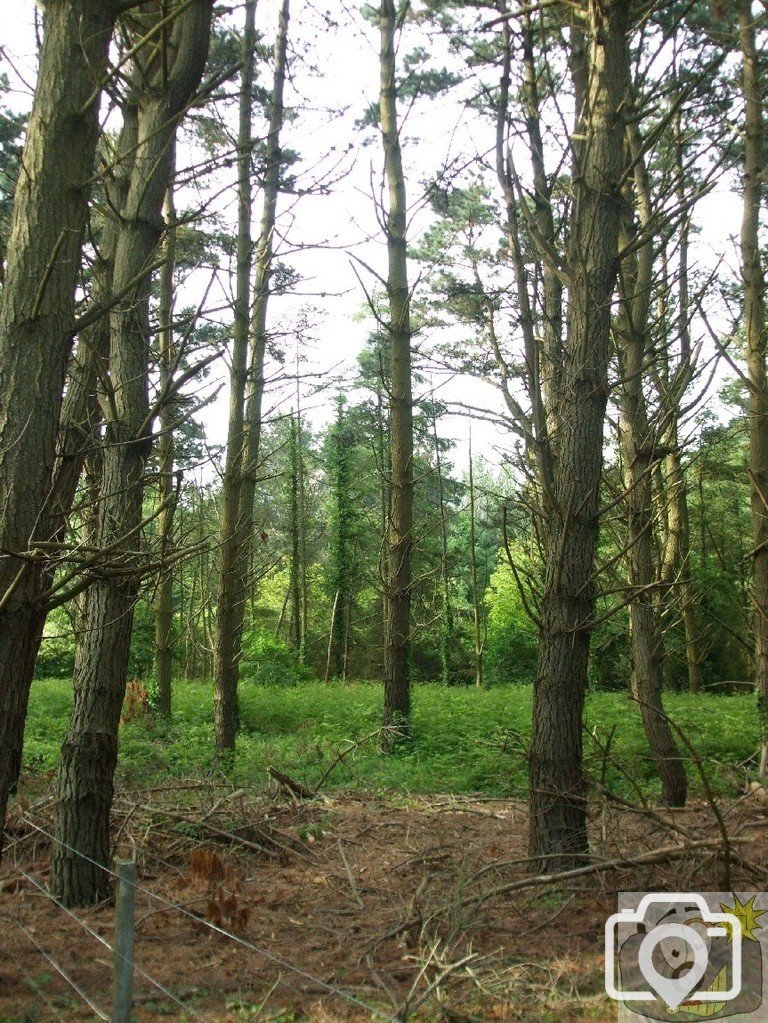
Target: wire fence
(290, 973)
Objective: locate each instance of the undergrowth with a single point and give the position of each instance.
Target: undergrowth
(463, 739)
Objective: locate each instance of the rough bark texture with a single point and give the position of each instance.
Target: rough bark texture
(165, 458)
(233, 589)
(37, 310)
(551, 343)
(558, 831)
(340, 545)
(296, 512)
(638, 444)
(753, 276)
(162, 88)
(261, 296)
(400, 525)
(229, 611)
(541, 381)
(675, 566)
(446, 621)
(476, 595)
(82, 415)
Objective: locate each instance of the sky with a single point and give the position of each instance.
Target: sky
(333, 238)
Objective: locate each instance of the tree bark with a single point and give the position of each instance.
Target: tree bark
(37, 311)
(301, 498)
(675, 565)
(162, 89)
(237, 539)
(476, 598)
(400, 525)
(638, 443)
(756, 332)
(558, 833)
(165, 459)
(446, 618)
(295, 570)
(227, 644)
(543, 384)
(341, 544)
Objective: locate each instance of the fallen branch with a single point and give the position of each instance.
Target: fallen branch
(269, 848)
(291, 784)
(668, 853)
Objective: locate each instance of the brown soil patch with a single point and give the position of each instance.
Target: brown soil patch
(371, 897)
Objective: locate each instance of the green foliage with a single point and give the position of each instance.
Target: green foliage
(511, 646)
(268, 661)
(11, 129)
(142, 656)
(56, 657)
(463, 739)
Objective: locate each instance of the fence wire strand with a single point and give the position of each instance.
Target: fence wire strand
(36, 987)
(63, 974)
(100, 938)
(270, 957)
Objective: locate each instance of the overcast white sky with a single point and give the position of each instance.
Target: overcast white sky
(330, 227)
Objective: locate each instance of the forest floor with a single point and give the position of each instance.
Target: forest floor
(350, 907)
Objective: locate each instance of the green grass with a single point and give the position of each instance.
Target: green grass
(464, 739)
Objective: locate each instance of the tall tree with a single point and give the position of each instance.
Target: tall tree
(638, 448)
(476, 596)
(245, 439)
(228, 610)
(756, 333)
(400, 520)
(342, 540)
(446, 616)
(558, 832)
(296, 516)
(164, 79)
(165, 457)
(37, 316)
(676, 560)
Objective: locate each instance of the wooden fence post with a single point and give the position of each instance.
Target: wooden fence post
(125, 911)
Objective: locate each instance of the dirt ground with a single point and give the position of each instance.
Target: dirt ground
(350, 908)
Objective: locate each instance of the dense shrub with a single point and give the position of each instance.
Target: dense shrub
(268, 661)
(511, 646)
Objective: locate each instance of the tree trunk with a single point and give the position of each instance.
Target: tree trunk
(89, 753)
(301, 498)
(543, 362)
(638, 442)
(341, 546)
(238, 528)
(37, 310)
(558, 833)
(227, 643)
(400, 526)
(753, 276)
(79, 447)
(675, 567)
(295, 632)
(446, 619)
(165, 458)
(473, 561)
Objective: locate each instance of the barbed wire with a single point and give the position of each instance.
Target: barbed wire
(63, 974)
(264, 953)
(35, 986)
(100, 938)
